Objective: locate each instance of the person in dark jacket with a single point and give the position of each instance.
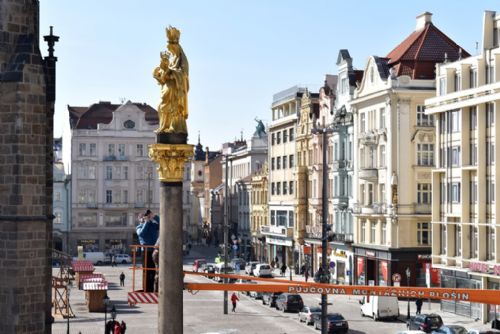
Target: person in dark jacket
(419, 303)
(147, 231)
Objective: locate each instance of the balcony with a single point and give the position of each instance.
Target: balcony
(113, 157)
(339, 164)
(368, 174)
(280, 231)
(91, 205)
(347, 238)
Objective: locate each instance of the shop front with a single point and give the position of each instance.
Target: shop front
(376, 266)
(279, 244)
(342, 262)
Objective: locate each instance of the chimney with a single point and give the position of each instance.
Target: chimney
(206, 155)
(423, 19)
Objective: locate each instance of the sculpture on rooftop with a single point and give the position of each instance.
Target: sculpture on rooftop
(173, 76)
(260, 129)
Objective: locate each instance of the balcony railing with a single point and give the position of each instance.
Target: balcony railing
(369, 174)
(347, 238)
(274, 230)
(113, 157)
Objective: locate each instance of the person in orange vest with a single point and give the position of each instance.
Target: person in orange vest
(234, 298)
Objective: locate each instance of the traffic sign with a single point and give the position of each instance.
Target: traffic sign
(396, 277)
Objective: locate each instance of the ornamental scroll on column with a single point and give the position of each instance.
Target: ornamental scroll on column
(171, 150)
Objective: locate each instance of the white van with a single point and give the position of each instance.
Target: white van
(379, 307)
(97, 258)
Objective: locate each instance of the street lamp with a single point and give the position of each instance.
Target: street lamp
(105, 300)
(408, 274)
(113, 313)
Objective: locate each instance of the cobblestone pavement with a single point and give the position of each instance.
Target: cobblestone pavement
(203, 312)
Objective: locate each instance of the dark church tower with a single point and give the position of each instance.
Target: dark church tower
(27, 95)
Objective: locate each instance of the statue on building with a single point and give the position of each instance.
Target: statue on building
(173, 76)
(260, 129)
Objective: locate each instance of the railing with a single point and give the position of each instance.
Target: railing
(368, 173)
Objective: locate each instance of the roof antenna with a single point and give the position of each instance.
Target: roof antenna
(241, 133)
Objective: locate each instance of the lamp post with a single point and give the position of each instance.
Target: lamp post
(106, 303)
(408, 274)
(113, 314)
(226, 232)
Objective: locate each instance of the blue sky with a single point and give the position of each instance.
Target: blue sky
(240, 52)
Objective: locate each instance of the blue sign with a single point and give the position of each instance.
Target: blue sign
(235, 247)
(332, 265)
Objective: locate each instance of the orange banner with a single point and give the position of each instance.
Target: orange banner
(469, 295)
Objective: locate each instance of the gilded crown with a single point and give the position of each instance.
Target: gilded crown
(173, 35)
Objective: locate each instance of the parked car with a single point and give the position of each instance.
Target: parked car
(250, 267)
(123, 258)
(209, 269)
(379, 307)
(239, 262)
(483, 331)
(451, 329)
(199, 264)
(256, 294)
(307, 313)
(97, 258)
(263, 270)
(336, 323)
(270, 298)
(289, 302)
(425, 322)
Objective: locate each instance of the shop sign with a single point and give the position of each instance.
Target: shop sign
(307, 250)
(369, 253)
(279, 242)
(340, 254)
(277, 230)
(396, 277)
(484, 268)
(314, 231)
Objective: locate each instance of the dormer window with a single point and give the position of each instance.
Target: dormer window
(129, 124)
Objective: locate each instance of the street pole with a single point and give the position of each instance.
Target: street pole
(226, 232)
(149, 188)
(324, 244)
(408, 284)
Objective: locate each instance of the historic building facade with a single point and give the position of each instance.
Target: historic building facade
(395, 156)
(113, 179)
(465, 243)
(61, 202)
(259, 214)
(282, 130)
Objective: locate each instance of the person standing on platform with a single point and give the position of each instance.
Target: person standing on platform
(147, 231)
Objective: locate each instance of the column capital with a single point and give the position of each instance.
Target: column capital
(171, 159)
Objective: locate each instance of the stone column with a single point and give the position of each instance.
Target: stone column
(171, 159)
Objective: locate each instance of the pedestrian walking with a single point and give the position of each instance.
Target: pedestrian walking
(419, 303)
(234, 299)
(117, 329)
(283, 269)
(123, 326)
(113, 261)
(122, 279)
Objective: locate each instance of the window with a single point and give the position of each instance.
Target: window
(442, 238)
(278, 188)
(272, 163)
(139, 150)
(109, 196)
(473, 77)
(273, 139)
(370, 193)
(373, 231)
(284, 161)
(290, 134)
(290, 187)
(93, 150)
(362, 120)
(455, 192)
(490, 191)
(285, 189)
(382, 156)
(125, 196)
(454, 121)
(490, 241)
(422, 118)
(382, 192)
(363, 232)
(139, 195)
(290, 160)
(473, 118)
(109, 173)
(82, 149)
(121, 150)
(490, 153)
(278, 163)
(455, 156)
(424, 193)
(278, 137)
(362, 194)
(490, 74)
(285, 136)
(57, 195)
(458, 240)
(58, 218)
(473, 192)
(382, 118)
(125, 172)
(473, 241)
(423, 233)
(273, 188)
(425, 154)
(458, 80)
(383, 237)
(343, 85)
(473, 154)
(442, 86)
(111, 149)
(290, 219)
(91, 172)
(490, 115)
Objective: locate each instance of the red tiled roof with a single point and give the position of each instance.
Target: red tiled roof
(102, 112)
(417, 55)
